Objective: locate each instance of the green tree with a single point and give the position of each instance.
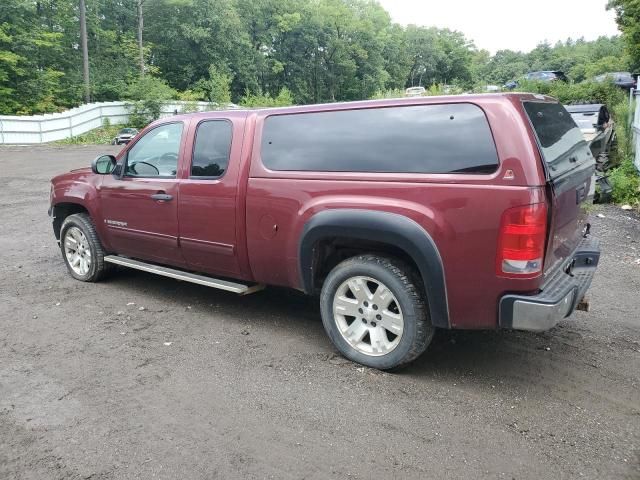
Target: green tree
(628, 18)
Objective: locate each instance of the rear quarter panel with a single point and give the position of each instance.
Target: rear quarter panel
(461, 212)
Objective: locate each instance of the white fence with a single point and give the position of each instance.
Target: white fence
(57, 126)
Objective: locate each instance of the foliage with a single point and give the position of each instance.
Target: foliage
(624, 136)
(574, 93)
(578, 59)
(392, 93)
(99, 136)
(148, 95)
(626, 183)
(283, 99)
(224, 50)
(217, 88)
(628, 17)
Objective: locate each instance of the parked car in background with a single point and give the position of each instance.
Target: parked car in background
(621, 79)
(598, 129)
(124, 136)
(402, 215)
(542, 76)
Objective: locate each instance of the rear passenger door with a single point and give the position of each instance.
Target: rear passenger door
(207, 205)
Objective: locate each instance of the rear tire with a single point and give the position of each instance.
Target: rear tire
(81, 249)
(374, 312)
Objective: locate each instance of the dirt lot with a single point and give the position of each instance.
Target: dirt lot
(251, 388)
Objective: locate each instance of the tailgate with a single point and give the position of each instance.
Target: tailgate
(569, 168)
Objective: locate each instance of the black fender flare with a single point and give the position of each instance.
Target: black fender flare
(384, 227)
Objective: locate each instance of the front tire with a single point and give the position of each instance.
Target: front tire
(81, 249)
(374, 312)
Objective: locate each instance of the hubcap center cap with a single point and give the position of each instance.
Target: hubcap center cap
(368, 313)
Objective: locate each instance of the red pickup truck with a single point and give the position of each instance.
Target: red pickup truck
(403, 215)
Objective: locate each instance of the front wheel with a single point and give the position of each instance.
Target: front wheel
(374, 313)
(81, 248)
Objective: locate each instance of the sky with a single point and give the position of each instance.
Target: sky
(509, 24)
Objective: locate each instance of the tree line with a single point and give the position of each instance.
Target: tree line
(305, 51)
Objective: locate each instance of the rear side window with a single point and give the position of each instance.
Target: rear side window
(212, 148)
(561, 141)
(451, 138)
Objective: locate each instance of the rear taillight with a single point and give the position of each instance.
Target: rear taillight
(523, 232)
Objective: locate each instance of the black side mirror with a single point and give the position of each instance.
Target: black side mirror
(103, 164)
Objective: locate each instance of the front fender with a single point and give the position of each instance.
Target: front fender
(82, 194)
(385, 227)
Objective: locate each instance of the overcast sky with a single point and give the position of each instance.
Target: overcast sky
(513, 24)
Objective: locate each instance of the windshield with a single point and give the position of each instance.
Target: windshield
(561, 142)
(128, 130)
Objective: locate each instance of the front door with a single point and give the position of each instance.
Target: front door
(140, 206)
(208, 198)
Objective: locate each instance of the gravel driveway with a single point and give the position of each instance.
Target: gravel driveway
(145, 377)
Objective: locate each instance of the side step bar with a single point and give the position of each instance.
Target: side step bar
(238, 288)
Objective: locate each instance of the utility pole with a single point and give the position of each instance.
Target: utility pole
(85, 51)
(140, 28)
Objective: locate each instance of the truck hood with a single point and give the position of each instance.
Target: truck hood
(84, 175)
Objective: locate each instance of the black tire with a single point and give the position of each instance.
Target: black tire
(98, 268)
(404, 284)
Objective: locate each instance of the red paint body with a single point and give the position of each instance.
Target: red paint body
(227, 227)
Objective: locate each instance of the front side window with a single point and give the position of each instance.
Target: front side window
(156, 153)
(453, 138)
(212, 148)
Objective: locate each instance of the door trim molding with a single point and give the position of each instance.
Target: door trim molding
(215, 247)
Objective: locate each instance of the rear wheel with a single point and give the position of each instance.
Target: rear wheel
(374, 313)
(81, 249)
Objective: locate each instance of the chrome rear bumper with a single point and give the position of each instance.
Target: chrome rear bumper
(558, 297)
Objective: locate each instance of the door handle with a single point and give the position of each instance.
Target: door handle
(162, 197)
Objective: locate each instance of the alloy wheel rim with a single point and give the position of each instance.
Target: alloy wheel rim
(368, 316)
(77, 251)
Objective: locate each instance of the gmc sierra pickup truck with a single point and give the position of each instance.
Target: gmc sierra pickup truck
(403, 216)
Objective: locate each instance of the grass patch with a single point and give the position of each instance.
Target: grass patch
(99, 136)
(626, 183)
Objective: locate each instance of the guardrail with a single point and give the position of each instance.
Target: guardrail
(50, 127)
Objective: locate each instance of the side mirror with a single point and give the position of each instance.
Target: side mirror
(103, 164)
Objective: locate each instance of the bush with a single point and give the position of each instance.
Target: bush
(283, 99)
(572, 93)
(383, 94)
(626, 183)
(148, 95)
(99, 136)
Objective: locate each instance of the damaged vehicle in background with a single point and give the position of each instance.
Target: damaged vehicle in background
(620, 79)
(542, 76)
(598, 129)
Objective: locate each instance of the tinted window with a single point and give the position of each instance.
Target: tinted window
(561, 142)
(212, 148)
(416, 139)
(156, 153)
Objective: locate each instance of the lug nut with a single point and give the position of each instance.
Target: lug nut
(373, 324)
(360, 310)
(364, 321)
(375, 307)
(379, 317)
(366, 304)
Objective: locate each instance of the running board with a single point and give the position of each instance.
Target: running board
(238, 288)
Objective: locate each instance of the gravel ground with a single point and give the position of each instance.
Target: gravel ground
(145, 377)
